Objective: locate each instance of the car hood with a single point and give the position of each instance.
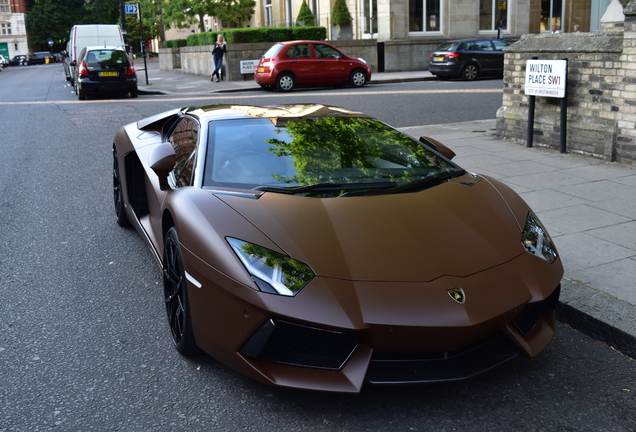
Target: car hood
(458, 228)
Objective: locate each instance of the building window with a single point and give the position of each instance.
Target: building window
(551, 13)
(424, 15)
(269, 17)
(490, 15)
(5, 28)
(370, 11)
(5, 7)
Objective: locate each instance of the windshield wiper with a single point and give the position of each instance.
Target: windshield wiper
(325, 187)
(427, 182)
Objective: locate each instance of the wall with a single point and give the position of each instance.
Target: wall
(601, 93)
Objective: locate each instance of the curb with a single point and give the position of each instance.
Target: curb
(597, 315)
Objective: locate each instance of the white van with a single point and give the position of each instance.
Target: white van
(89, 35)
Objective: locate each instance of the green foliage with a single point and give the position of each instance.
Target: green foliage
(309, 33)
(183, 13)
(262, 34)
(325, 145)
(235, 11)
(152, 17)
(305, 17)
(175, 43)
(340, 15)
(53, 19)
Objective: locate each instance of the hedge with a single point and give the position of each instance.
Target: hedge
(254, 35)
(175, 43)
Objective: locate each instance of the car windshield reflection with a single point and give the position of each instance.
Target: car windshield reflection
(336, 154)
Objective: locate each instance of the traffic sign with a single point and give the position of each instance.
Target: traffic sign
(131, 8)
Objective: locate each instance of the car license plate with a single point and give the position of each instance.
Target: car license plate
(108, 74)
(438, 58)
(260, 69)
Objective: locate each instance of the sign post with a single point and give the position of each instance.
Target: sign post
(135, 8)
(547, 78)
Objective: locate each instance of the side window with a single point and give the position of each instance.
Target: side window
(484, 45)
(499, 44)
(298, 51)
(325, 51)
(184, 139)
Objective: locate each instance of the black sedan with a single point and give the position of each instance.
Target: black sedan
(18, 60)
(104, 70)
(468, 59)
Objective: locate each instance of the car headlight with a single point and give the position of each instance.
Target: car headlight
(537, 241)
(272, 272)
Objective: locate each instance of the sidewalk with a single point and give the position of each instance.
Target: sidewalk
(588, 205)
(177, 83)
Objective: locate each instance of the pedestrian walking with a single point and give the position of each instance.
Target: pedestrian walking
(220, 48)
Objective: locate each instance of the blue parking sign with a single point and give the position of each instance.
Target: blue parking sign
(131, 8)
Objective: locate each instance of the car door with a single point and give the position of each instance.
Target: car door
(330, 67)
(499, 59)
(484, 50)
(297, 59)
(184, 139)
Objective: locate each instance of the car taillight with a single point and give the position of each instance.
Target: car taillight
(452, 55)
(131, 69)
(82, 69)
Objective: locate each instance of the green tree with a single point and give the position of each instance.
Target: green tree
(340, 15)
(305, 17)
(183, 13)
(235, 11)
(53, 19)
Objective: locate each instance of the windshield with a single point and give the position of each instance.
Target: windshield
(294, 153)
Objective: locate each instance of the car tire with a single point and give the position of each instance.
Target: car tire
(120, 212)
(134, 92)
(285, 82)
(470, 72)
(358, 78)
(81, 94)
(176, 296)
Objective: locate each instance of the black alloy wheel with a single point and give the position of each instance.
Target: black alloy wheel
(120, 213)
(176, 296)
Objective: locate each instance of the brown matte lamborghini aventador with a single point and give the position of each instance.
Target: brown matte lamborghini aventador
(315, 247)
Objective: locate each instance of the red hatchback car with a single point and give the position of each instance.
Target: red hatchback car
(304, 63)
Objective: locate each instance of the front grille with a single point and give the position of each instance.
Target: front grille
(529, 316)
(300, 345)
(444, 366)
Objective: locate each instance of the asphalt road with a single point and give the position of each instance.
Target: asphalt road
(84, 343)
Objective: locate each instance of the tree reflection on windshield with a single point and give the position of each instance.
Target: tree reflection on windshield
(346, 149)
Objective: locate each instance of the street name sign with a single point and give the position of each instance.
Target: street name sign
(547, 78)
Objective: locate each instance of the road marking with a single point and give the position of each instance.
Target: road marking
(226, 95)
